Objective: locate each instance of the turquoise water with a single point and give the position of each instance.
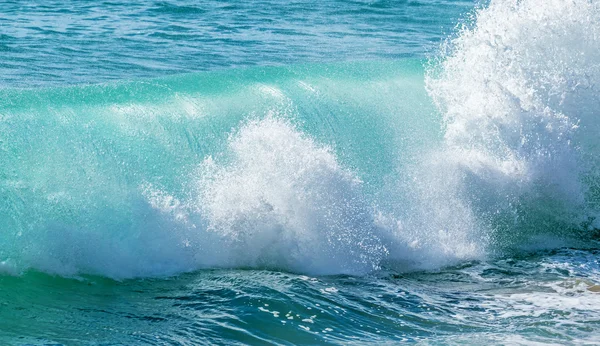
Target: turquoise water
(299, 173)
(539, 298)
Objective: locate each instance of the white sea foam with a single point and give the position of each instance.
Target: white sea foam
(519, 93)
(281, 200)
(276, 198)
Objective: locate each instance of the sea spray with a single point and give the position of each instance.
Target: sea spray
(283, 201)
(518, 89)
(212, 207)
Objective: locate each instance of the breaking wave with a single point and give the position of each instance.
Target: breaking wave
(323, 169)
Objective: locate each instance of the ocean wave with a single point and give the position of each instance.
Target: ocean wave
(321, 169)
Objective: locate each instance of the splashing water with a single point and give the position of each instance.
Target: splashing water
(327, 169)
(284, 201)
(518, 91)
(359, 202)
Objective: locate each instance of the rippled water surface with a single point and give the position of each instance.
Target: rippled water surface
(57, 42)
(541, 298)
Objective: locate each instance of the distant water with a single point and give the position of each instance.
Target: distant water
(56, 43)
(299, 173)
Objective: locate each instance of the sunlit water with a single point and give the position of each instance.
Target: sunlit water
(299, 173)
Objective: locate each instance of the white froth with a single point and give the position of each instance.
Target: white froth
(518, 91)
(282, 200)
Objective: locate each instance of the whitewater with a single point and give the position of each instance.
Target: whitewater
(447, 199)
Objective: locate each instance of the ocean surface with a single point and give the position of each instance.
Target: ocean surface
(300, 172)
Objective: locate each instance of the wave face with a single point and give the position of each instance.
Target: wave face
(269, 167)
(321, 169)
